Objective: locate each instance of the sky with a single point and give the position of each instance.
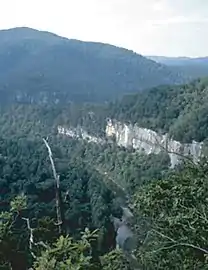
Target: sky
(149, 27)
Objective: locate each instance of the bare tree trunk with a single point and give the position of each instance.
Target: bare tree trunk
(57, 188)
(31, 239)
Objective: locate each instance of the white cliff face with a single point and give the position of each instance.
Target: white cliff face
(79, 133)
(149, 141)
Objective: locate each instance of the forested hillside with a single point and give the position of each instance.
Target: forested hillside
(41, 67)
(179, 110)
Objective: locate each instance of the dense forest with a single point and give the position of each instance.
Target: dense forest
(89, 196)
(169, 207)
(179, 110)
(96, 181)
(42, 67)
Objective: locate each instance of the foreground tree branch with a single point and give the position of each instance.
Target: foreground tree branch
(165, 149)
(31, 239)
(177, 244)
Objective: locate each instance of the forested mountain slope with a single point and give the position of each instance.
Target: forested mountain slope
(179, 110)
(43, 67)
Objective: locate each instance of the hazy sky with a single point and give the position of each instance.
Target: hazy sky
(150, 27)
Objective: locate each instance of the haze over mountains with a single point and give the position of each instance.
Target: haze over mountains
(179, 61)
(193, 67)
(41, 66)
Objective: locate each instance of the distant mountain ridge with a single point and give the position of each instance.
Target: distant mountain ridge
(194, 67)
(41, 66)
(179, 60)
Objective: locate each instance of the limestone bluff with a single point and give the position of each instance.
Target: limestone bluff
(141, 139)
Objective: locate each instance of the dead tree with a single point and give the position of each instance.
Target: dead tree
(57, 189)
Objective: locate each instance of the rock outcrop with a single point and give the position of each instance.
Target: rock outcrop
(149, 141)
(79, 133)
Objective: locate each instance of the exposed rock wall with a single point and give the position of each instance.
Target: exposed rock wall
(79, 133)
(149, 141)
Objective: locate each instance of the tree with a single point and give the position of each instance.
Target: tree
(176, 211)
(68, 254)
(13, 236)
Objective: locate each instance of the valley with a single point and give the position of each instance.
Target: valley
(129, 144)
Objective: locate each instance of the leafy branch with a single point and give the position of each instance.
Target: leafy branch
(177, 244)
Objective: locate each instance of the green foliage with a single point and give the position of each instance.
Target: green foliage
(19, 204)
(179, 110)
(64, 253)
(67, 254)
(86, 201)
(14, 251)
(115, 260)
(176, 210)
